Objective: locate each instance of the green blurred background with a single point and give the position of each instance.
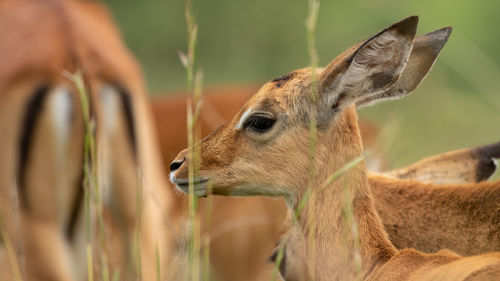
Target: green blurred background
(241, 42)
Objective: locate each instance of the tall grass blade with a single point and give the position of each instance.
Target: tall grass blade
(311, 23)
(194, 86)
(91, 185)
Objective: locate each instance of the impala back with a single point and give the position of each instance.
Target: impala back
(42, 147)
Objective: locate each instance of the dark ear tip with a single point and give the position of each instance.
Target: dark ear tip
(487, 164)
(443, 32)
(406, 27)
(489, 151)
(411, 19)
(448, 29)
(435, 39)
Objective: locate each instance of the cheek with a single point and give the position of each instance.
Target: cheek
(289, 161)
(282, 161)
(219, 150)
(273, 168)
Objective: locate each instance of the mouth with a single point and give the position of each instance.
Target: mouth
(199, 186)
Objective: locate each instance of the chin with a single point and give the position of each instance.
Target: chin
(200, 190)
(199, 186)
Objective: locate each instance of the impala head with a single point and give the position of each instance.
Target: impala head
(264, 149)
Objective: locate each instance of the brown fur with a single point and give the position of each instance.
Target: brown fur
(465, 218)
(222, 102)
(40, 40)
(240, 161)
(242, 230)
(250, 225)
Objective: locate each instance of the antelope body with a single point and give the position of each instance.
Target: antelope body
(239, 252)
(42, 147)
(264, 150)
(462, 218)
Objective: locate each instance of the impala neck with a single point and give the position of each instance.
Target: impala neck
(349, 240)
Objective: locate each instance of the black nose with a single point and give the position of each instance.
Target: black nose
(176, 164)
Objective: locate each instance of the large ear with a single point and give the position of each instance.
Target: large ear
(462, 166)
(425, 50)
(369, 69)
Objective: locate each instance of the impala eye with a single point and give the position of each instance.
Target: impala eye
(259, 123)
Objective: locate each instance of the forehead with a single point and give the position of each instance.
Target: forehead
(282, 91)
(287, 94)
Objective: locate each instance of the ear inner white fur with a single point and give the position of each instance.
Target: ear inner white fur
(373, 67)
(425, 51)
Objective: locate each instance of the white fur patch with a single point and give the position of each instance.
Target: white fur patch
(172, 176)
(377, 53)
(61, 108)
(110, 105)
(59, 111)
(495, 162)
(243, 118)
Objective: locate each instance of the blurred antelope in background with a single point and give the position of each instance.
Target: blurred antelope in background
(264, 150)
(42, 148)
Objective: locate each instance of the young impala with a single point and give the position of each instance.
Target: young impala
(264, 150)
(243, 231)
(240, 251)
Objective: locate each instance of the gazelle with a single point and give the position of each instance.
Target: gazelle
(42, 138)
(264, 150)
(243, 231)
(240, 251)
